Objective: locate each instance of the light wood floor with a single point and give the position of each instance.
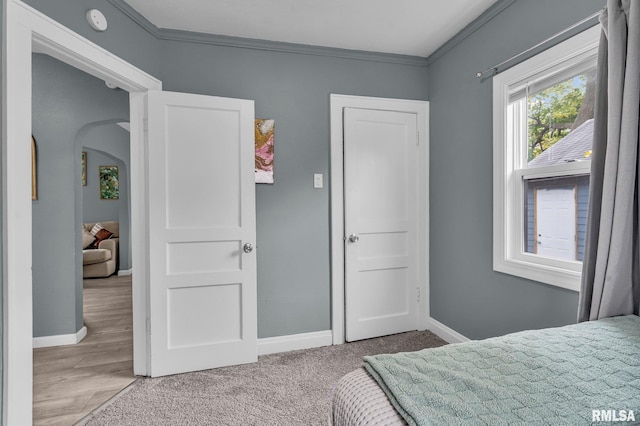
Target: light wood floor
(71, 381)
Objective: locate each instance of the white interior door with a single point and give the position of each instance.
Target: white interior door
(380, 187)
(201, 232)
(556, 222)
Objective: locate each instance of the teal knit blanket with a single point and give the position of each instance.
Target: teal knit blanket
(582, 374)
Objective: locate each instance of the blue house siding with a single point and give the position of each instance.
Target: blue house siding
(583, 203)
(530, 240)
(582, 185)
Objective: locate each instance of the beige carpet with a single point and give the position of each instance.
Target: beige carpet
(292, 388)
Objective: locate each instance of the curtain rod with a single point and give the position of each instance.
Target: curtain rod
(494, 69)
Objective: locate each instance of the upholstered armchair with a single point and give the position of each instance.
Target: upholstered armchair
(99, 249)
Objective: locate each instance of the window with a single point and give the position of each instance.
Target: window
(543, 129)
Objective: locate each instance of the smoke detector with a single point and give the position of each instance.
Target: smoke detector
(97, 20)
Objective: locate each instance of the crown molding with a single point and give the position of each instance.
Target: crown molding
(265, 45)
(274, 46)
(135, 16)
(278, 46)
(486, 16)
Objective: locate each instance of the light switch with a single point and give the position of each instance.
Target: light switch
(317, 180)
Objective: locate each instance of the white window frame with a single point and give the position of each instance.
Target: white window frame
(509, 163)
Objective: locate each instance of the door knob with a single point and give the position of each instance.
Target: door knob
(353, 238)
(248, 248)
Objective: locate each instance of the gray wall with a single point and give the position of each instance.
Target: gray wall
(65, 102)
(294, 89)
(292, 216)
(108, 144)
(293, 287)
(466, 294)
(124, 37)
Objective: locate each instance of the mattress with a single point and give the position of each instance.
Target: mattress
(358, 400)
(560, 376)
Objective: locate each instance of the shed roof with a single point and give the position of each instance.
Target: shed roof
(572, 147)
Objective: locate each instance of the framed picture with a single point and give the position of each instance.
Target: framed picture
(34, 169)
(109, 185)
(84, 168)
(264, 129)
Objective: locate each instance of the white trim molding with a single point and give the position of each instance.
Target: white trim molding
(125, 272)
(510, 161)
(447, 334)
(61, 339)
(337, 105)
(294, 342)
(26, 31)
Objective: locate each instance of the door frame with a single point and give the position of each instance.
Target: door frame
(421, 109)
(28, 31)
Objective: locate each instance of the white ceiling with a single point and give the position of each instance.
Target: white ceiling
(409, 27)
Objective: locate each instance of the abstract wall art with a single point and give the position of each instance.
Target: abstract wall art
(264, 130)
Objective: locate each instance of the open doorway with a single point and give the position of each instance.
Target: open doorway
(155, 138)
(72, 381)
(26, 32)
(82, 316)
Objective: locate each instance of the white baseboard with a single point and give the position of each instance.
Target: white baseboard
(60, 340)
(444, 332)
(123, 272)
(293, 342)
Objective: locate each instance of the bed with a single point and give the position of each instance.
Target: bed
(568, 375)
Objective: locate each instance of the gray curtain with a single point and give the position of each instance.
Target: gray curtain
(611, 267)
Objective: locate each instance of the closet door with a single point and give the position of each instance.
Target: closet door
(201, 232)
(381, 229)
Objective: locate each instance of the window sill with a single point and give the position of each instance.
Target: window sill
(547, 274)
